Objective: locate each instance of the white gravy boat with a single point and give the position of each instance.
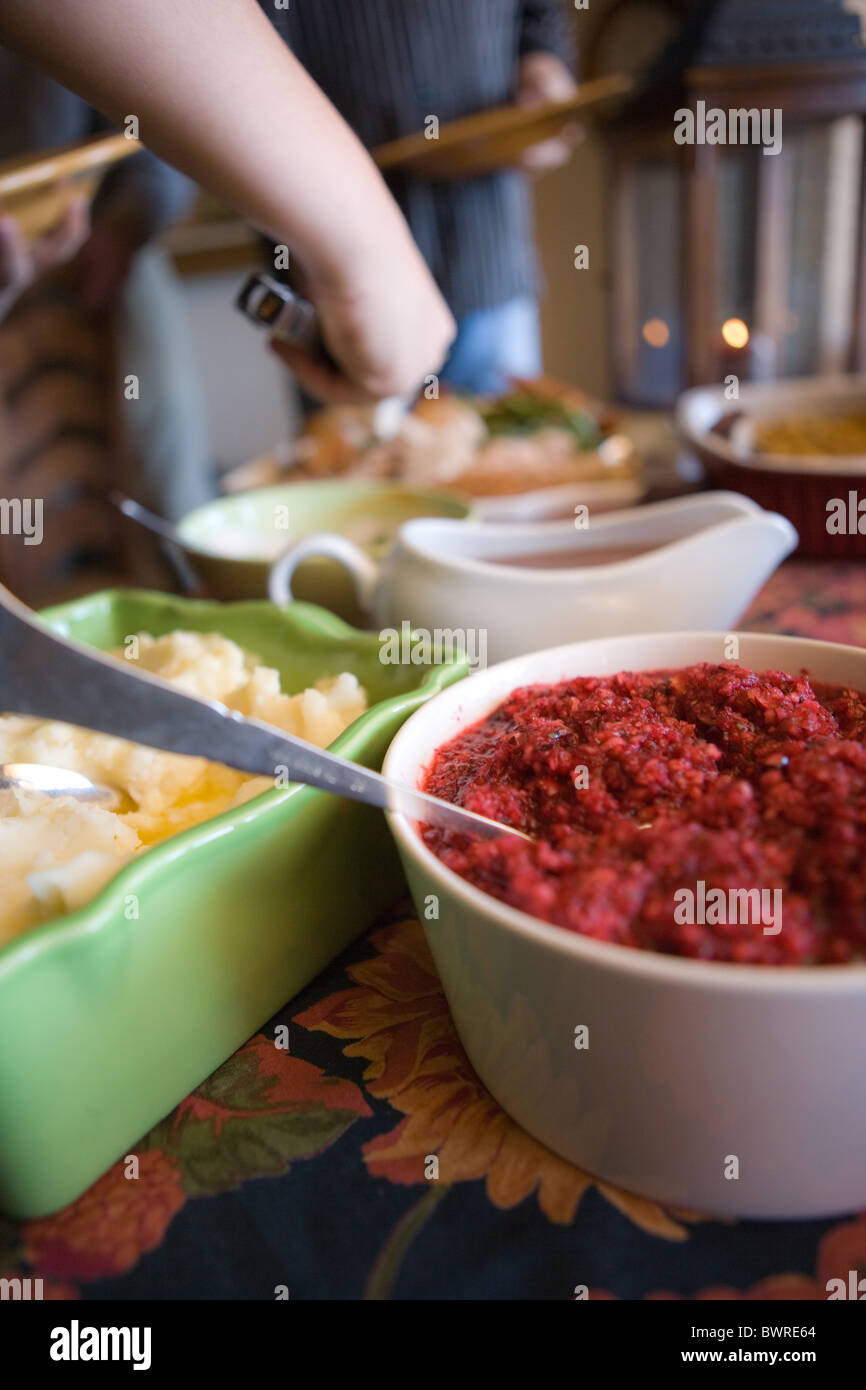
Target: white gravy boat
(701, 561)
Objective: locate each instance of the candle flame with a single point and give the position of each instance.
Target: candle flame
(656, 333)
(735, 333)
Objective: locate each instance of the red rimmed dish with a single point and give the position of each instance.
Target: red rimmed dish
(820, 493)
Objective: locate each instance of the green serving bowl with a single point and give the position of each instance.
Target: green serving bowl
(107, 1018)
(260, 524)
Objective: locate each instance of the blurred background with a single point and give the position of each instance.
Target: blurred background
(704, 262)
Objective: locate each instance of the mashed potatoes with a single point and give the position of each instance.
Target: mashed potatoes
(56, 853)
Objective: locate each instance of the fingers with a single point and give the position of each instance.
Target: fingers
(14, 258)
(543, 77)
(371, 369)
(65, 239)
(553, 153)
(22, 262)
(317, 379)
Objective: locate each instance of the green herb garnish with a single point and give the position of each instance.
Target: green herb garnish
(524, 414)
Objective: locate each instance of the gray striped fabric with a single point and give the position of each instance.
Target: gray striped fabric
(387, 65)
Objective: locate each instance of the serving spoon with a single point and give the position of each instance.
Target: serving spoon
(157, 525)
(57, 781)
(46, 675)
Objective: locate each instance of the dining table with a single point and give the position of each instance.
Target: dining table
(348, 1151)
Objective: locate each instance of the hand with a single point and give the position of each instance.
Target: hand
(384, 322)
(543, 77)
(22, 261)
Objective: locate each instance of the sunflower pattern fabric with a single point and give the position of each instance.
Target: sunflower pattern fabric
(306, 1160)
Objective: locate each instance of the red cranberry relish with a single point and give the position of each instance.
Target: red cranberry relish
(639, 786)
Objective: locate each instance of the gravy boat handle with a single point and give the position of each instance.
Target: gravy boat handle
(363, 571)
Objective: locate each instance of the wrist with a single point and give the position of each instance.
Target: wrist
(350, 271)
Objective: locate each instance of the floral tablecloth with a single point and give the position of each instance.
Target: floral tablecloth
(301, 1167)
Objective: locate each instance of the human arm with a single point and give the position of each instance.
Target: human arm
(219, 96)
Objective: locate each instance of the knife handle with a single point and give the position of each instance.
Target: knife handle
(50, 677)
(289, 317)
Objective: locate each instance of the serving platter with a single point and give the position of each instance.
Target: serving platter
(111, 1015)
(36, 189)
(497, 137)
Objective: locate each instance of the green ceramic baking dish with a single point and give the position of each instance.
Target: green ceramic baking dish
(107, 1021)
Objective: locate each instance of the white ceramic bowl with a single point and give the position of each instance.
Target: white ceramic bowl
(690, 1064)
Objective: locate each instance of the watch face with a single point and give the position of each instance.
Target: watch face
(632, 35)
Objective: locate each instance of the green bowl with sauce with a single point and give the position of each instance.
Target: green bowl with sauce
(233, 541)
